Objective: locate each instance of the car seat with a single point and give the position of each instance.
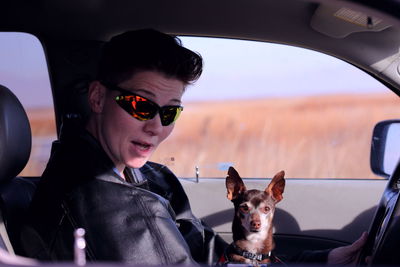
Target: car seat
(15, 192)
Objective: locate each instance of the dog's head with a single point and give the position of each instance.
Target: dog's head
(254, 208)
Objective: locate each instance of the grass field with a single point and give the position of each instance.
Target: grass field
(318, 137)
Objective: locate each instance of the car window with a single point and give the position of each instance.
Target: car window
(267, 107)
(23, 70)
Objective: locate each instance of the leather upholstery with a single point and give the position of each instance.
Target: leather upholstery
(16, 196)
(15, 148)
(15, 136)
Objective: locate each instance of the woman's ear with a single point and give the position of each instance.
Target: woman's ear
(96, 96)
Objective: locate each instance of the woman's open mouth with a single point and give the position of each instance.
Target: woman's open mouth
(142, 146)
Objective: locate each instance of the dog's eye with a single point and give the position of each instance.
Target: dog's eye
(244, 208)
(267, 209)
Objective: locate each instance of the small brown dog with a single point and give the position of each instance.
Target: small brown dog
(252, 222)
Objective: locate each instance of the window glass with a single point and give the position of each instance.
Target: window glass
(23, 70)
(266, 107)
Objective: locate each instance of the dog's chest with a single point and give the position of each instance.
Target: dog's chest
(252, 245)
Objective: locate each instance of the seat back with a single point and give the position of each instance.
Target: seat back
(15, 136)
(15, 149)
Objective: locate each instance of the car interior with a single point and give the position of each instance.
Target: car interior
(316, 213)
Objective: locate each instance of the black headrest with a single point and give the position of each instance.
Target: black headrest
(15, 136)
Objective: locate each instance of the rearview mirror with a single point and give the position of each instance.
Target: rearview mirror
(385, 147)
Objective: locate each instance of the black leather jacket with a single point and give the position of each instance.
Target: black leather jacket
(148, 222)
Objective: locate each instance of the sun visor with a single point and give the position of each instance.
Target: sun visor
(339, 22)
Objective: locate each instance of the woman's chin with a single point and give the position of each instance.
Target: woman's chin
(136, 163)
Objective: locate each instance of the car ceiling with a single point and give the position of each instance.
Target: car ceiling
(281, 21)
(294, 22)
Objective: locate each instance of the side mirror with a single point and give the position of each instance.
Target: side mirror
(385, 147)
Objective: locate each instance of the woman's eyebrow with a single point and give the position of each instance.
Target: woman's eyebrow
(147, 92)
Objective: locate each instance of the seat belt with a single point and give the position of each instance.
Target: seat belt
(4, 239)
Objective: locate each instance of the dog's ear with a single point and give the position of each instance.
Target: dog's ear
(234, 184)
(276, 186)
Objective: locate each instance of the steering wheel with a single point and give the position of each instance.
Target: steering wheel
(383, 238)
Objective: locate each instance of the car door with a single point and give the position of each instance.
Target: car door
(281, 108)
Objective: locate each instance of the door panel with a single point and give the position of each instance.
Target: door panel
(314, 214)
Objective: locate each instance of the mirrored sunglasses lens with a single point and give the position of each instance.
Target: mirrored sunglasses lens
(138, 107)
(144, 108)
(170, 115)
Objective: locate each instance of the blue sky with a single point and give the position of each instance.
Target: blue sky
(243, 68)
(23, 69)
(232, 69)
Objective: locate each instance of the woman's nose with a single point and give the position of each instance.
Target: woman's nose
(153, 126)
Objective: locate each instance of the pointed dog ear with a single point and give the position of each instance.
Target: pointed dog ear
(234, 184)
(276, 186)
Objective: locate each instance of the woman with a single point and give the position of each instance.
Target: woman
(99, 177)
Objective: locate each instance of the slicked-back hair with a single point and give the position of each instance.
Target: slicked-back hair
(147, 50)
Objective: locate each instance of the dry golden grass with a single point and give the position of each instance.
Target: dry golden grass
(42, 122)
(318, 137)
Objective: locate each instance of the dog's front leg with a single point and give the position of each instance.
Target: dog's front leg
(239, 259)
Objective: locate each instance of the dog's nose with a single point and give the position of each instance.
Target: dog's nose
(255, 225)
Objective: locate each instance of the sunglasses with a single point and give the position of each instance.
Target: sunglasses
(144, 109)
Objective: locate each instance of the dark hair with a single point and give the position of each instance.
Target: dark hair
(147, 50)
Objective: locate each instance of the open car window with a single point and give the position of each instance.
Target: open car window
(23, 70)
(266, 107)
(259, 107)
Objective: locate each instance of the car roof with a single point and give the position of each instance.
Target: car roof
(363, 33)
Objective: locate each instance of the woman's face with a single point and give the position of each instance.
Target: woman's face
(127, 140)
